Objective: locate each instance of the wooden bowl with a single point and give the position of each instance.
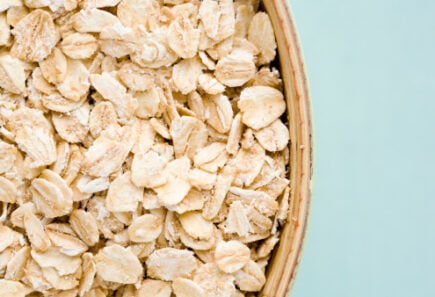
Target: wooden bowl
(282, 268)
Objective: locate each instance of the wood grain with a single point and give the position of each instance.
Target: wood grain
(284, 263)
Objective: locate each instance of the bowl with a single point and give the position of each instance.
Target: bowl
(285, 260)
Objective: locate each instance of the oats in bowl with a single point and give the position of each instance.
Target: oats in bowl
(144, 148)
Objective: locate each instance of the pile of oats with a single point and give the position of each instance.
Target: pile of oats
(142, 148)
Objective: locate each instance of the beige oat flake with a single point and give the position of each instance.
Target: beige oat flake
(12, 76)
(231, 256)
(8, 191)
(123, 195)
(184, 38)
(117, 264)
(10, 288)
(79, 46)
(85, 225)
(261, 35)
(108, 152)
(260, 106)
(93, 20)
(76, 83)
(235, 69)
(184, 287)
(274, 137)
(145, 228)
(154, 288)
(51, 194)
(35, 44)
(36, 232)
(196, 226)
(214, 282)
(250, 278)
(54, 258)
(218, 112)
(169, 263)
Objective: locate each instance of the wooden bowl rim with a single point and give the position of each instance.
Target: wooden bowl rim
(281, 285)
(305, 95)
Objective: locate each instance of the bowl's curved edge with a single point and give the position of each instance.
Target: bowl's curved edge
(282, 271)
(305, 96)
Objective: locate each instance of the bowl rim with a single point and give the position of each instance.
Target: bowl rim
(294, 75)
(307, 98)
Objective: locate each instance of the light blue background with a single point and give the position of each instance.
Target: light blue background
(371, 69)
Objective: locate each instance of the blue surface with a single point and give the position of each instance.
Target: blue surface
(371, 68)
